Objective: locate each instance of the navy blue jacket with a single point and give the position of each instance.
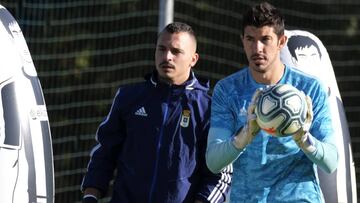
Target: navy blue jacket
(155, 137)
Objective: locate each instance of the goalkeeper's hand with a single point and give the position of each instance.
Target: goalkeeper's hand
(302, 137)
(251, 128)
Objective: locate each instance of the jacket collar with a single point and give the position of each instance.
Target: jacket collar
(190, 84)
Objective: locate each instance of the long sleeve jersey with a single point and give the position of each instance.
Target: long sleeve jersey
(269, 169)
(155, 137)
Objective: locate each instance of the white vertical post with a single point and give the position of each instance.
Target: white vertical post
(166, 13)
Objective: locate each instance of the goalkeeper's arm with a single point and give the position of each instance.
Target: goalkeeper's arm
(323, 154)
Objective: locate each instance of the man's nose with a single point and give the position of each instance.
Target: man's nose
(169, 56)
(258, 46)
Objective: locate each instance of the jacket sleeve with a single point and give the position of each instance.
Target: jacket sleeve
(214, 188)
(109, 137)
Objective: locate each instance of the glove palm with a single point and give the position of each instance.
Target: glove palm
(301, 137)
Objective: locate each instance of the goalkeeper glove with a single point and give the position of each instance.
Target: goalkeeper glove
(251, 128)
(302, 137)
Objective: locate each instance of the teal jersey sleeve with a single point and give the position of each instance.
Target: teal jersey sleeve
(221, 151)
(228, 115)
(325, 156)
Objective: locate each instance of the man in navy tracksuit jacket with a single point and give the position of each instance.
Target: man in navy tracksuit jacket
(156, 133)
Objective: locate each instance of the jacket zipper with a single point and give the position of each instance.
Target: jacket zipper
(155, 174)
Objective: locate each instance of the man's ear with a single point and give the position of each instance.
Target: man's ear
(194, 59)
(282, 41)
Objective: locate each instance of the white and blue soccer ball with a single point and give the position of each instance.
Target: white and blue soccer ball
(281, 110)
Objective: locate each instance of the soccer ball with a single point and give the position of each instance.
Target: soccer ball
(281, 110)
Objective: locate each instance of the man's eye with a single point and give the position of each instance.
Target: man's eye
(266, 40)
(175, 51)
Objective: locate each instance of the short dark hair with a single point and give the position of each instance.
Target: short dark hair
(177, 27)
(300, 41)
(264, 14)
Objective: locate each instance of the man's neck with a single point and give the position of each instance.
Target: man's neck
(273, 76)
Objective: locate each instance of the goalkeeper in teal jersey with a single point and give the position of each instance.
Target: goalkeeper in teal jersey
(268, 168)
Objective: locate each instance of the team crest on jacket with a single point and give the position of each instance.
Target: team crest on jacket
(185, 118)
